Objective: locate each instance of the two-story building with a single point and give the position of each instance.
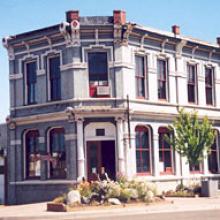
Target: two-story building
(99, 91)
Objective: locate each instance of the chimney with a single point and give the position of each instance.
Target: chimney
(218, 41)
(176, 29)
(119, 17)
(72, 15)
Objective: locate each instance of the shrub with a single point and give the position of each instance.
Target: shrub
(84, 189)
(125, 195)
(113, 190)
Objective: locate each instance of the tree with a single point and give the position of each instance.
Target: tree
(192, 137)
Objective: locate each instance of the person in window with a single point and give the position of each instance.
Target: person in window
(103, 175)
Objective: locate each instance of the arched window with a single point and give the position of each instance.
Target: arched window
(166, 165)
(213, 159)
(58, 153)
(32, 154)
(143, 150)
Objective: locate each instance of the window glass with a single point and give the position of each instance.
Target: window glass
(98, 70)
(33, 163)
(209, 85)
(191, 83)
(162, 78)
(143, 152)
(58, 153)
(55, 78)
(31, 82)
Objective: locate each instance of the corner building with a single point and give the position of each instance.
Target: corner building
(70, 86)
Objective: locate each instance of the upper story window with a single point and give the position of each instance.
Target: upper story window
(192, 83)
(55, 78)
(32, 150)
(58, 153)
(209, 81)
(140, 76)
(165, 152)
(162, 79)
(98, 71)
(31, 76)
(143, 150)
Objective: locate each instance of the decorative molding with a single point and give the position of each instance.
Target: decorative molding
(73, 65)
(15, 76)
(41, 140)
(120, 64)
(69, 137)
(15, 142)
(41, 72)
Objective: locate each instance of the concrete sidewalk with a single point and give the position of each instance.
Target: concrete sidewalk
(34, 211)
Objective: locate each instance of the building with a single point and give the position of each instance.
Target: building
(3, 146)
(69, 89)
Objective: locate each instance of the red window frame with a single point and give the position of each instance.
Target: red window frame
(214, 153)
(140, 77)
(192, 83)
(31, 157)
(141, 149)
(162, 70)
(162, 149)
(209, 80)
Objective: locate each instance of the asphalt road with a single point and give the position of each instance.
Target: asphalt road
(189, 215)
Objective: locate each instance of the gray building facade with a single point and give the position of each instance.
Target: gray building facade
(69, 85)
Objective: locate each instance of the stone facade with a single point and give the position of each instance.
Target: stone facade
(83, 117)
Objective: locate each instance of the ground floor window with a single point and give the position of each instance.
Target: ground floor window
(198, 168)
(58, 154)
(33, 162)
(166, 163)
(213, 158)
(143, 150)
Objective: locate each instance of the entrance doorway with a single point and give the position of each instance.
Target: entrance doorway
(101, 154)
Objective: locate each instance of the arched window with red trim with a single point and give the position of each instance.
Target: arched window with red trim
(213, 158)
(33, 164)
(166, 164)
(58, 154)
(143, 150)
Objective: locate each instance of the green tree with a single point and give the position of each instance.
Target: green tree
(192, 137)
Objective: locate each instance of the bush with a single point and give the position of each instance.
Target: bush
(113, 190)
(125, 195)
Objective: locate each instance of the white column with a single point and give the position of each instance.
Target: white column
(156, 151)
(120, 146)
(80, 149)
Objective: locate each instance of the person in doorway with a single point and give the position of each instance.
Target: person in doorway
(103, 175)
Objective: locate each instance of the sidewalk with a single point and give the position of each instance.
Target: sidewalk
(38, 210)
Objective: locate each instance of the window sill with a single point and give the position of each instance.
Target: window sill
(144, 174)
(43, 182)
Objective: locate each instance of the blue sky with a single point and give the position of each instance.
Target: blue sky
(197, 18)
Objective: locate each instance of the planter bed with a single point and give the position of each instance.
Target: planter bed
(61, 207)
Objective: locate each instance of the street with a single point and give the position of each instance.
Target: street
(189, 215)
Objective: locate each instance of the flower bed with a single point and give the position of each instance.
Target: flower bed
(105, 193)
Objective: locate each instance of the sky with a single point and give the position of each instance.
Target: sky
(197, 18)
